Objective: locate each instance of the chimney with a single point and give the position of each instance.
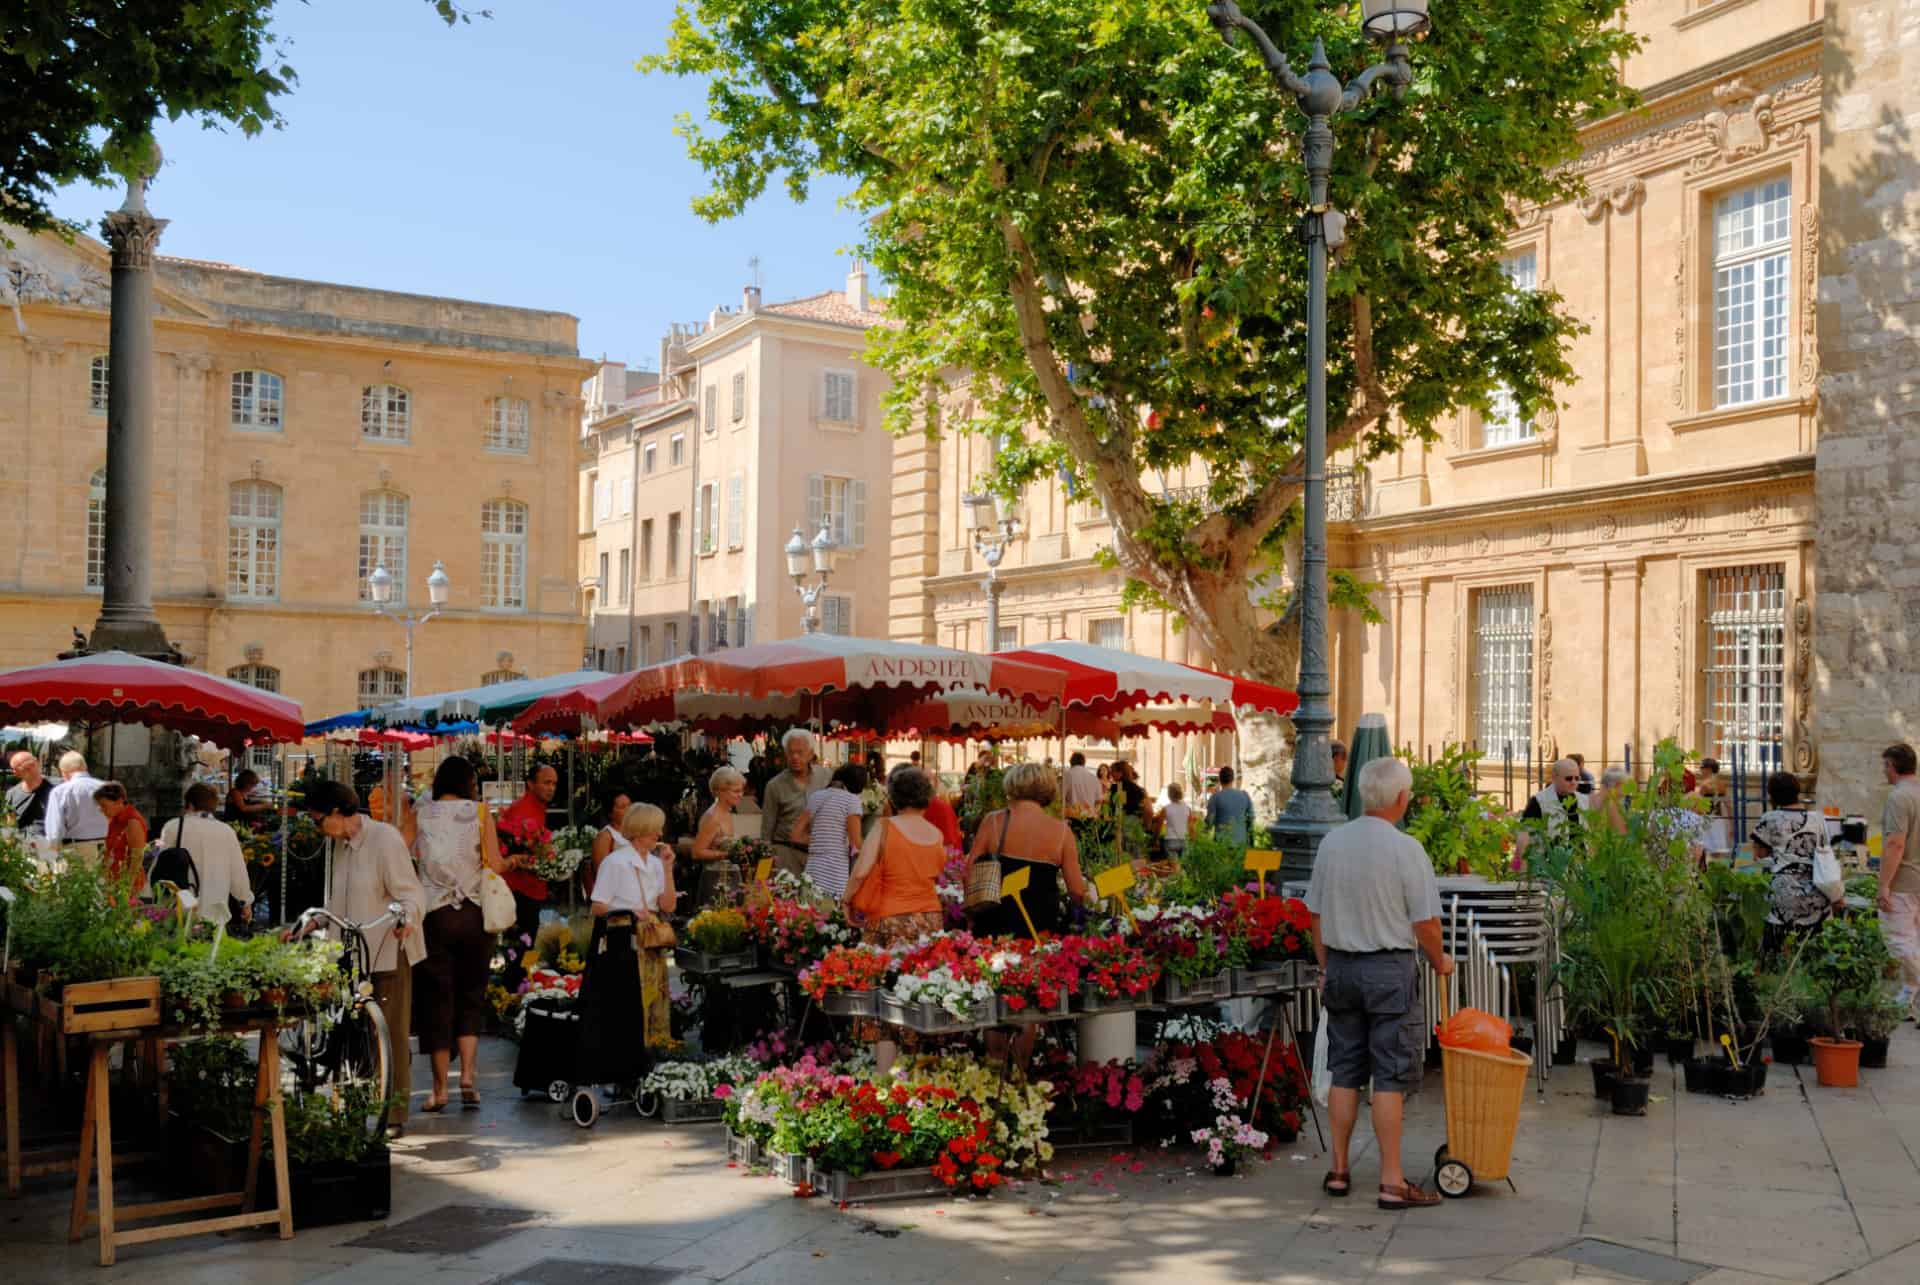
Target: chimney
(857, 286)
(750, 300)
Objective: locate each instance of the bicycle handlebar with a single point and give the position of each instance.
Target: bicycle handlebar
(395, 912)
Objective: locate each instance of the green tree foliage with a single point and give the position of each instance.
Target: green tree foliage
(83, 81)
(1087, 210)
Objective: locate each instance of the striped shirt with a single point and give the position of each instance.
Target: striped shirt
(829, 860)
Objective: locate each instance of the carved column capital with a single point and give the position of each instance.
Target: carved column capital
(134, 235)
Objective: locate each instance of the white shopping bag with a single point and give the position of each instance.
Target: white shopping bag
(1322, 1073)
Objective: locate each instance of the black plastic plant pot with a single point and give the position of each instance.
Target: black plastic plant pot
(1703, 1074)
(1745, 1081)
(1521, 1044)
(1642, 1061)
(1630, 1096)
(1567, 1051)
(1789, 1050)
(1873, 1053)
(1605, 1073)
(1679, 1050)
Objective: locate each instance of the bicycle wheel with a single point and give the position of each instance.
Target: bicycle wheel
(360, 1056)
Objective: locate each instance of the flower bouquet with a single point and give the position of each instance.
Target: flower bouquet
(1227, 1138)
(525, 843)
(563, 855)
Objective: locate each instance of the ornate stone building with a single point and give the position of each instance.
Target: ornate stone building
(305, 434)
(1640, 562)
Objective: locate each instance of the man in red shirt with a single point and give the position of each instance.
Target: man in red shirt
(529, 890)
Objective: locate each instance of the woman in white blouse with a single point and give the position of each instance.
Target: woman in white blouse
(633, 890)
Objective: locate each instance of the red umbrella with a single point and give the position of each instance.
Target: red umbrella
(117, 687)
(410, 741)
(1106, 680)
(605, 702)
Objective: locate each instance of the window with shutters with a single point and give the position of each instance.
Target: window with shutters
(620, 659)
(383, 541)
(737, 511)
(386, 413)
(646, 549)
(1752, 292)
(253, 541)
(740, 636)
(677, 450)
(509, 425)
(718, 618)
(673, 545)
(840, 505)
(97, 381)
(1503, 669)
(836, 397)
(626, 574)
(739, 396)
(97, 530)
(649, 456)
(644, 654)
(708, 517)
(265, 677)
(836, 614)
(380, 686)
(1503, 424)
(602, 498)
(503, 555)
(606, 582)
(710, 407)
(623, 492)
(1746, 637)
(256, 399)
(1111, 632)
(671, 637)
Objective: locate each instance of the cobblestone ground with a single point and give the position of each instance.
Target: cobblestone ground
(1802, 1184)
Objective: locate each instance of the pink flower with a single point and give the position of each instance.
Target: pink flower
(723, 1090)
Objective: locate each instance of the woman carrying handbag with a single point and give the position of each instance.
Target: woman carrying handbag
(892, 891)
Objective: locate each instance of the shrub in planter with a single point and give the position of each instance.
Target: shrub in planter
(1875, 1016)
(337, 1160)
(1846, 961)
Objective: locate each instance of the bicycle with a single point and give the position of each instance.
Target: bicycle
(346, 1042)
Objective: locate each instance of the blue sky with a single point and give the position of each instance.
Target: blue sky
(518, 160)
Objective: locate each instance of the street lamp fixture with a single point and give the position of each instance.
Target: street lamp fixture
(815, 555)
(1311, 812)
(992, 533)
(380, 586)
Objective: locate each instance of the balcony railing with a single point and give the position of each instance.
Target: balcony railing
(1346, 494)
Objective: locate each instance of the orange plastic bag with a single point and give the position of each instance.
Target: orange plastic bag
(1475, 1029)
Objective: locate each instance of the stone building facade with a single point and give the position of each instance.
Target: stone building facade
(305, 433)
(1867, 618)
(1638, 563)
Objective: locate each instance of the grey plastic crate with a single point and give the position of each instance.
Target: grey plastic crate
(851, 1003)
(742, 1150)
(794, 1170)
(891, 1184)
(1265, 978)
(690, 960)
(1029, 1016)
(1204, 990)
(930, 1019)
(697, 1111)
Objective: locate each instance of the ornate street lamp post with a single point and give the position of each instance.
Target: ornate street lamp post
(992, 533)
(821, 548)
(1312, 812)
(380, 589)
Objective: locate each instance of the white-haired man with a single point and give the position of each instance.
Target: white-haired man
(785, 798)
(1374, 899)
(71, 815)
(27, 798)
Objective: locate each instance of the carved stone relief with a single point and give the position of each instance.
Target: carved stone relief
(1682, 275)
(1606, 528)
(1806, 757)
(1620, 198)
(1809, 293)
(1543, 634)
(1743, 123)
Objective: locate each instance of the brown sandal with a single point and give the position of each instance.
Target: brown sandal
(1406, 1196)
(1345, 1181)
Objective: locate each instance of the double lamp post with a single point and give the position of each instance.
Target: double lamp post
(1311, 812)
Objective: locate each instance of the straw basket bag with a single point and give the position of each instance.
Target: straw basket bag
(1484, 1091)
(983, 876)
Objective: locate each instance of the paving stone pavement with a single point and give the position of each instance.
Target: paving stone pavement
(1803, 1184)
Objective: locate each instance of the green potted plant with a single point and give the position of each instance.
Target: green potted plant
(210, 1085)
(1463, 831)
(1845, 959)
(1876, 1014)
(338, 1167)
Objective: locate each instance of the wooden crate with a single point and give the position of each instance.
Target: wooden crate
(123, 1004)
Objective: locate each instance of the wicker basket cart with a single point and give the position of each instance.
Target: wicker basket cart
(1483, 1094)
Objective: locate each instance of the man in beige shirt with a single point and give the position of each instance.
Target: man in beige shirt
(785, 798)
(1900, 867)
(371, 869)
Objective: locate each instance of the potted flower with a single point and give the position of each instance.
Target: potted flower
(1265, 938)
(1115, 973)
(717, 942)
(1845, 959)
(338, 1167)
(1227, 1138)
(1033, 981)
(1186, 941)
(847, 980)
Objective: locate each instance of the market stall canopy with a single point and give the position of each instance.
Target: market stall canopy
(455, 711)
(837, 680)
(982, 716)
(1108, 680)
(603, 702)
(118, 687)
(412, 742)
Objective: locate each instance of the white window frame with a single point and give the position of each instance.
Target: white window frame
(97, 530)
(1113, 629)
(263, 677)
(384, 519)
(707, 520)
(737, 511)
(1503, 424)
(739, 395)
(626, 574)
(1503, 663)
(839, 504)
(1744, 619)
(504, 526)
(253, 541)
(99, 380)
(606, 579)
(509, 425)
(839, 397)
(676, 526)
(381, 685)
(386, 413)
(649, 457)
(1009, 638)
(602, 498)
(494, 677)
(676, 450)
(1752, 312)
(256, 401)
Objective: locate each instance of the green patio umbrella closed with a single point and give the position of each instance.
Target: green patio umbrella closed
(1369, 743)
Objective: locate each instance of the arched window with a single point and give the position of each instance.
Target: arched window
(258, 398)
(265, 677)
(507, 425)
(383, 540)
(97, 385)
(386, 413)
(381, 685)
(97, 530)
(503, 555)
(253, 541)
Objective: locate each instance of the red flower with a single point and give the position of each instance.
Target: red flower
(899, 1124)
(886, 1159)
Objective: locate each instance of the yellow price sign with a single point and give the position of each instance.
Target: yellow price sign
(1012, 886)
(1114, 884)
(1263, 862)
(764, 871)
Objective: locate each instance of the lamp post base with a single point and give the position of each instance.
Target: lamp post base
(1296, 837)
(143, 638)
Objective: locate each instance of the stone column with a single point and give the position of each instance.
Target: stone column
(127, 620)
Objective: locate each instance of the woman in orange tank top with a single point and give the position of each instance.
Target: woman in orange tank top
(904, 854)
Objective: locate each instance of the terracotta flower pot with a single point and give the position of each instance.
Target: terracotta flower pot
(1836, 1063)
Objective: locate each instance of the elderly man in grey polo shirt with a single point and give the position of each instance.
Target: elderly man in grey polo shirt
(1373, 898)
(785, 798)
